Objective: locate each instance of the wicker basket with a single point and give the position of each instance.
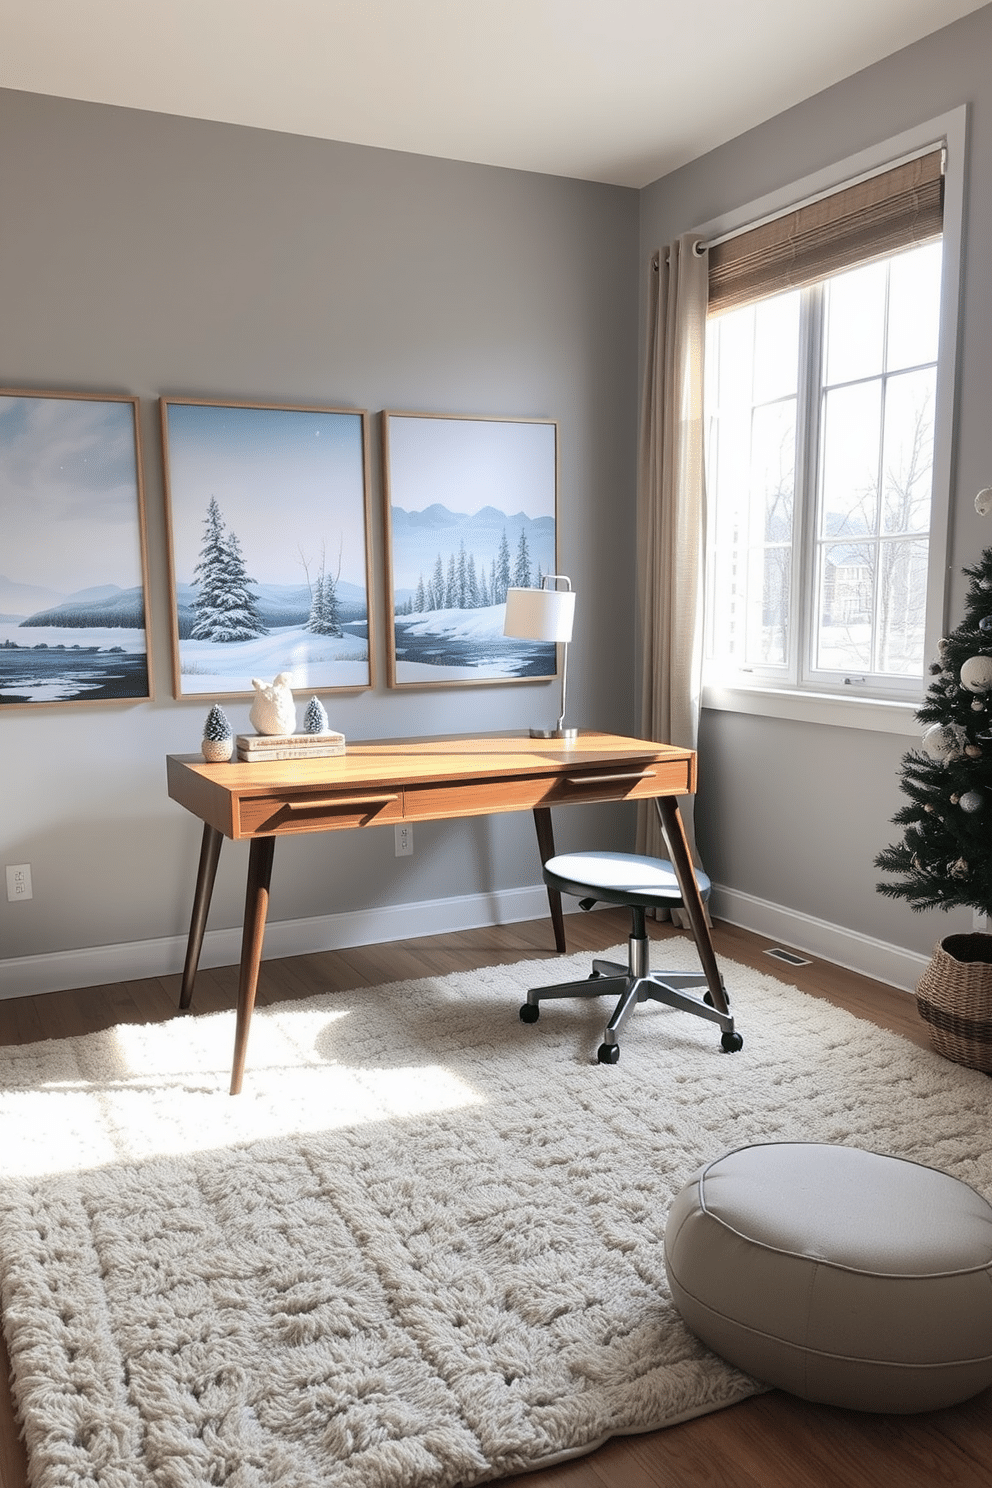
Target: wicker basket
(954, 997)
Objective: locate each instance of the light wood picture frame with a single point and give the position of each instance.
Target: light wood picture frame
(471, 506)
(268, 516)
(73, 553)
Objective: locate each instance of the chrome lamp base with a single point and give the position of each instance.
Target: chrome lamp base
(568, 734)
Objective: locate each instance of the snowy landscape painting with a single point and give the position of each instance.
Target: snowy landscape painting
(471, 510)
(72, 550)
(268, 517)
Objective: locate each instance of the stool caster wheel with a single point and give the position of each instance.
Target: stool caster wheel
(608, 1053)
(530, 1012)
(731, 1042)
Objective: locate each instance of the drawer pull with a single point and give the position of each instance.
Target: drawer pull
(330, 801)
(602, 779)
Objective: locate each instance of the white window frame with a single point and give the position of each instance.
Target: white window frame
(782, 699)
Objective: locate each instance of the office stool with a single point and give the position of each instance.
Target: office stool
(641, 883)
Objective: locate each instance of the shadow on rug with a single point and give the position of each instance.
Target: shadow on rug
(424, 1246)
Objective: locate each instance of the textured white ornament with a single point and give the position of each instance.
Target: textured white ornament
(939, 741)
(273, 711)
(983, 501)
(972, 800)
(976, 674)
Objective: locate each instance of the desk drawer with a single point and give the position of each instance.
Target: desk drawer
(287, 811)
(633, 782)
(522, 792)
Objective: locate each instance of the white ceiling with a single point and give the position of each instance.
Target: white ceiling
(605, 90)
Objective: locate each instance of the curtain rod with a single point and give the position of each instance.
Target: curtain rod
(701, 246)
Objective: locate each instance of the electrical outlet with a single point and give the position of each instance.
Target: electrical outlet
(404, 839)
(19, 882)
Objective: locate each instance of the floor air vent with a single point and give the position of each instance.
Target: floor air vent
(789, 957)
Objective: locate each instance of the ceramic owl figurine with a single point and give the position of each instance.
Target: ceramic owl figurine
(273, 711)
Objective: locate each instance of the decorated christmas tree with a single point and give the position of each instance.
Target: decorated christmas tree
(945, 856)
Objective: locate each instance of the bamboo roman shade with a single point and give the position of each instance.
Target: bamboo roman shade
(899, 208)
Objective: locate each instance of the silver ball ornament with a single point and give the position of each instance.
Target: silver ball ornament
(972, 801)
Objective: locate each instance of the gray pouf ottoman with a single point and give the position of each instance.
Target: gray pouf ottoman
(837, 1274)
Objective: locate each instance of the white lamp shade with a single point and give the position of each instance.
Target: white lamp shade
(539, 614)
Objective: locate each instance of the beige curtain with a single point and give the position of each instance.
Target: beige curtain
(671, 512)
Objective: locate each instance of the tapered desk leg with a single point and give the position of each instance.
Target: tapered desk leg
(678, 848)
(206, 873)
(546, 847)
(256, 908)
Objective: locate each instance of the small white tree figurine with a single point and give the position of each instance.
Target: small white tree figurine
(218, 739)
(315, 719)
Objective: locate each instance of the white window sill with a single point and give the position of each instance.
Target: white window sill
(887, 717)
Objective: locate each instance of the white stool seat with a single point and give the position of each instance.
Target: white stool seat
(620, 878)
(842, 1276)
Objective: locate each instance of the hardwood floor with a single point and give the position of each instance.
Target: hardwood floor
(771, 1441)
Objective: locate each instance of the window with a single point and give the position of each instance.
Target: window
(825, 543)
(820, 412)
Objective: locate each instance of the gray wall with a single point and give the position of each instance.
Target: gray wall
(794, 813)
(154, 255)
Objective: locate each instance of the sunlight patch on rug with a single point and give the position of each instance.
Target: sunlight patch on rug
(424, 1246)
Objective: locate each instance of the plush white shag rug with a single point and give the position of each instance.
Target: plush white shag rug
(424, 1246)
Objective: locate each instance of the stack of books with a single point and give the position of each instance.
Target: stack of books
(255, 747)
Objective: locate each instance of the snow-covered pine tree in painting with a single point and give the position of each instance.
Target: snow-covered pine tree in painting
(325, 616)
(501, 571)
(225, 606)
(521, 569)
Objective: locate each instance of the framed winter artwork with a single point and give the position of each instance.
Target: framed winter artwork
(471, 509)
(268, 516)
(73, 626)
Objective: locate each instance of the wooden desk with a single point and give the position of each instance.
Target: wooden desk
(383, 781)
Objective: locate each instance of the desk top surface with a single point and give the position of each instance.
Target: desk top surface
(439, 757)
(228, 795)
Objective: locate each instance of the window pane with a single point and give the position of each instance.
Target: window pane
(850, 456)
(752, 370)
(902, 596)
(773, 470)
(914, 307)
(735, 341)
(907, 452)
(845, 590)
(855, 324)
(769, 572)
(776, 341)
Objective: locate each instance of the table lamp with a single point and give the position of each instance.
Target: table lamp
(545, 614)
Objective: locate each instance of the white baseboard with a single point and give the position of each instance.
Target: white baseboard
(92, 966)
(862, 953)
